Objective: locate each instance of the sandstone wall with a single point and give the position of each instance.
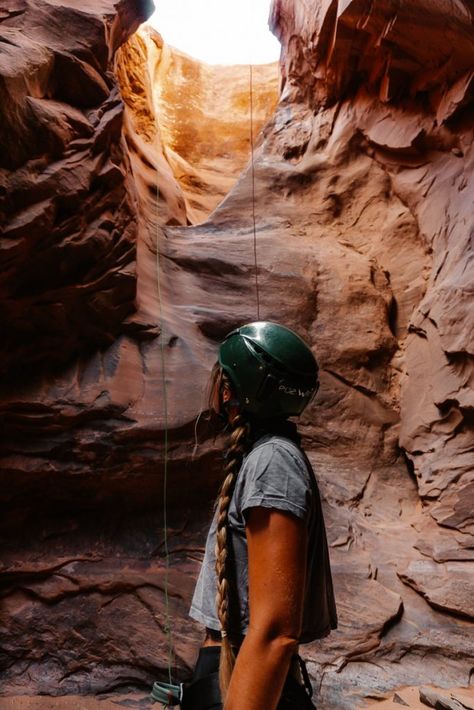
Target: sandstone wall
(405, 86)
(364, 215)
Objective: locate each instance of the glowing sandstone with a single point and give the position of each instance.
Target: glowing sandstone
(203, 116)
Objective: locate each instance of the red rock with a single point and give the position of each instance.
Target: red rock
(455, 510)
(443, 545)
(446, 586)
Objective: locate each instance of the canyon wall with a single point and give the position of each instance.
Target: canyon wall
(114, 302)
(386, 89)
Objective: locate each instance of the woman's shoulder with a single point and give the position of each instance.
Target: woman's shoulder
(271, 444)
(275, 475)
(278, 453)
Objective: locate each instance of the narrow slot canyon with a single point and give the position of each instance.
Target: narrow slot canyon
(127, 207)
(192, 121)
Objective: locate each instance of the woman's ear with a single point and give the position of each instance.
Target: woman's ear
(226, 393)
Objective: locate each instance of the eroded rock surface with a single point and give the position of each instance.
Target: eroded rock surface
(363, 186)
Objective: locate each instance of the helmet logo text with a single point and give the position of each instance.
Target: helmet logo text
(295, 391)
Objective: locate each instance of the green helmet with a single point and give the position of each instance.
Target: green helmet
(273, 371)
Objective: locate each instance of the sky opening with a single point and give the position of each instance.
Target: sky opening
(218, 31)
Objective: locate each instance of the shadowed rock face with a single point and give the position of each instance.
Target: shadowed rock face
(67, 275)
(364, 216)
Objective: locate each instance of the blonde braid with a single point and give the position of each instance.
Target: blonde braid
(237, 449)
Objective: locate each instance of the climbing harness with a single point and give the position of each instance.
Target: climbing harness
(167, 694)
(202, 694)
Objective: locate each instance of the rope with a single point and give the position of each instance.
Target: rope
(163, 375)
(165, 462)
(257, 294)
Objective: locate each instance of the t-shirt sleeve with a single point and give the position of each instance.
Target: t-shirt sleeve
(275, 477)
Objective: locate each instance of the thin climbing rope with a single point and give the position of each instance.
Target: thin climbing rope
(257, 294)
(168, 631)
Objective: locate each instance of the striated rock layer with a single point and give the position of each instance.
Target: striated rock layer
(363, 206)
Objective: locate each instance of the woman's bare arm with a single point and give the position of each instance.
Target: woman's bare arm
(277, 544)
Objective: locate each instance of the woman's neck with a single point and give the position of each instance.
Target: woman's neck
(275, 426)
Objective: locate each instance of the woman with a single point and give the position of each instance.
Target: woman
(265, 583)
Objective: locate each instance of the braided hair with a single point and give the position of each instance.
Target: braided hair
(238, 446)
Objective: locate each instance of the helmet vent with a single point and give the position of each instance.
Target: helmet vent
(268, 359)
(265, 356)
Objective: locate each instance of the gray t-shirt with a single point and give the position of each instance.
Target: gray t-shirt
(274, 474)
